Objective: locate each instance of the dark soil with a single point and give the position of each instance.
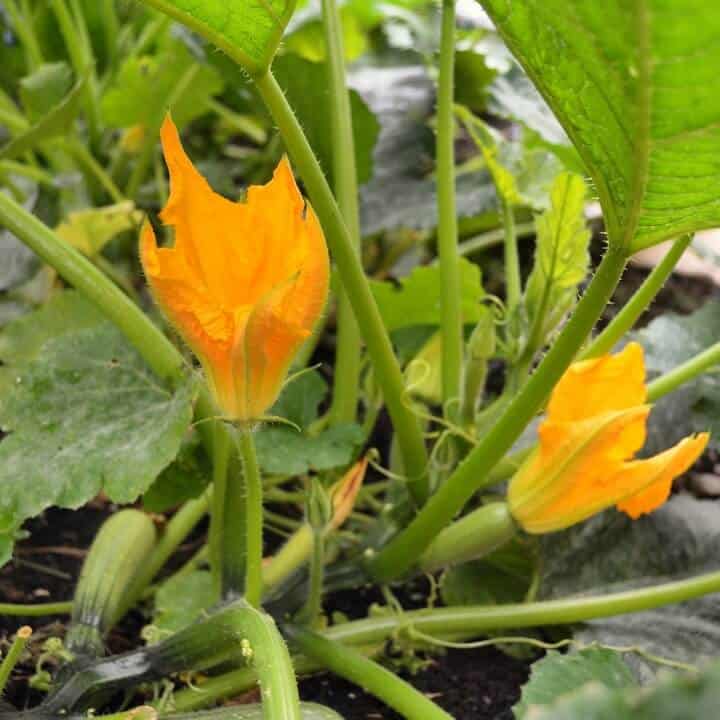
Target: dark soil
(479, 684)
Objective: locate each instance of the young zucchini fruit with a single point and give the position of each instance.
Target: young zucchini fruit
(118, 552)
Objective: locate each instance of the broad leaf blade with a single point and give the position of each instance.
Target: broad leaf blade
(675, 697)
(558, 674)
(249, 31)
(634, 85)
(118, 432)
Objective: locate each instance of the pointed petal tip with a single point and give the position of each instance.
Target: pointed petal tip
(148, 248)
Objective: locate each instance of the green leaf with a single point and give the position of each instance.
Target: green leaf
(300, 398)
(416, 300)
(67, 311)
(146, 87)
(44, 88)
(472, 80)
(90, 230)
(21, 339)
(561, 256)
(401, 192)
(184, 479)
(247, 30)
(675, 697)
(56, 122)
(284, 451)
(86, 415)
(307, 39)
(611, 553)
(181, 600)
(633, 84)
(695, 407)
(557, 674)
(306, 86)
(504, 576)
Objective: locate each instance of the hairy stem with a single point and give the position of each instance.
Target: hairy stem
(346, 380)
(450, 306)
(253, 516)
(639, 302)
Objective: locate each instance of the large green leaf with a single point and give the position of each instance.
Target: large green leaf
(633, 82)
(558, 674)
(247, 30)
(695, 407)
(86, 415)
(402, 190)
(612, 553)
(678, 697)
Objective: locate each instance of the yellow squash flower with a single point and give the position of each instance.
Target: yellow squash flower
(596, 422)
(244, 282)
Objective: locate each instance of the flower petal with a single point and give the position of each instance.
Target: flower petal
(567, 480)
(592, 387)
(263, 352)
(655, 476)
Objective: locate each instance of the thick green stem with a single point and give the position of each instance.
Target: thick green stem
(220, 461)
(639, 302)
(402, 552)
(684, 373)
(491, 238)
(82, 63)
(271, 660)
(513, 288)
(13, 655)
(253, 516)
(310, 612)
(472, 620)
(450, 306)
(356, 285)
(372, 677)
(346, 380)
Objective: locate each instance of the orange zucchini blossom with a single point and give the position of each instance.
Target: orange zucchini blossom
(244, 283)
(595, 423)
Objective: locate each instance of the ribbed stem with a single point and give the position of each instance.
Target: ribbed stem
(346, 378)
(450, 306)
(624, 321)
(252, 483)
